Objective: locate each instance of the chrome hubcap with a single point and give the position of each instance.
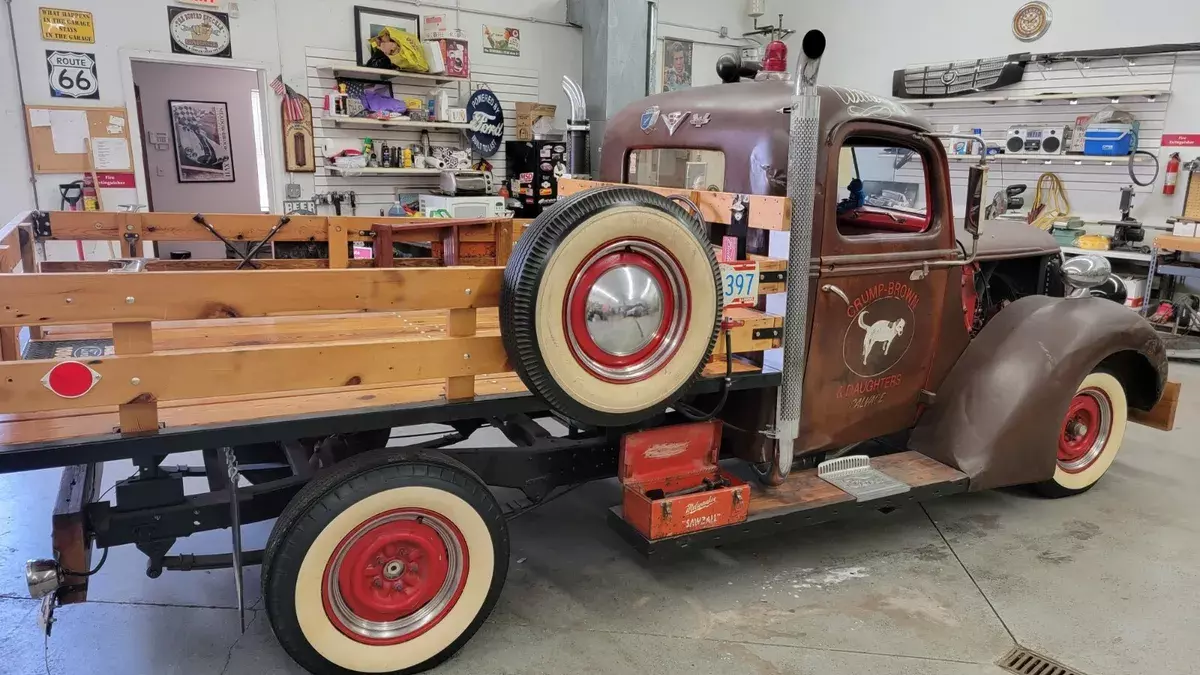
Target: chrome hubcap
(624, 310)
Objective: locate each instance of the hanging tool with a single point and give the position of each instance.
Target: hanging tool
(200, 219)
(353, 203)
(284, 220)
(336, 198)
(235, 525)
(71, 194)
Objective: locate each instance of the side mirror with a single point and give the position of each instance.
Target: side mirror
(976, 184)
(1086, 271)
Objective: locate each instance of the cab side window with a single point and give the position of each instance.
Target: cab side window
(678, 168)
(883, 187)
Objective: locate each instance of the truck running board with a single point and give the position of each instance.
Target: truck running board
(806, 499)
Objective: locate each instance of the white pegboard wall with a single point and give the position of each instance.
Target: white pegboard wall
(377, 192)
(1092, 187)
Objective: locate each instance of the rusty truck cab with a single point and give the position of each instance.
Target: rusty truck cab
(882, 329)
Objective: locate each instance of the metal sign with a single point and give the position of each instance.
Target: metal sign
(67, 25)
(198, 32)
(72, 75)
(486, 121)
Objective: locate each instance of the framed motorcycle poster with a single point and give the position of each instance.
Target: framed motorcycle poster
(203, 150)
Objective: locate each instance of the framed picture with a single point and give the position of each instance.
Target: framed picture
(368, 21)
(676, 64)
(203, 149)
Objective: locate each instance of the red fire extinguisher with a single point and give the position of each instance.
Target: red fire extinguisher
(1172, 174)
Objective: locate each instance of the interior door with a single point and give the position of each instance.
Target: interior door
(877, 307)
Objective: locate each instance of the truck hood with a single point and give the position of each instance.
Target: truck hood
(1000, 239)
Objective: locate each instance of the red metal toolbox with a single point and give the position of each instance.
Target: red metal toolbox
(674, 459)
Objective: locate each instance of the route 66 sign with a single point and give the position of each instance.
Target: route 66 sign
(72, 75)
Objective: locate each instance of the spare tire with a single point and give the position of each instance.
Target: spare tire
(611, 305)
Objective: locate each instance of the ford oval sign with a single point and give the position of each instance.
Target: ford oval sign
(486, 121)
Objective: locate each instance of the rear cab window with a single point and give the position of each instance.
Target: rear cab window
(883, 187)
(683, 168)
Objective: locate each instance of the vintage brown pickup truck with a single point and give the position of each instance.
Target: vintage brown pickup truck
(626, 333)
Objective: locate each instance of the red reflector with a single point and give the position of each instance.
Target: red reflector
(70, 379)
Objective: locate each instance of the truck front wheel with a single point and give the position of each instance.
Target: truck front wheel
(1090, 435)
(386, 563)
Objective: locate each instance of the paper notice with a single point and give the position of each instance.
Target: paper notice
(39, 117)
(116, 121)
(69, 129)
(110, 154)
(114, 129)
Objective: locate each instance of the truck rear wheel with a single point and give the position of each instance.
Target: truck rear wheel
(610, 305)
(386, 563)
(1090, 436)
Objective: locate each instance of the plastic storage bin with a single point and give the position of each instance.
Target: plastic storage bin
(1109, 139)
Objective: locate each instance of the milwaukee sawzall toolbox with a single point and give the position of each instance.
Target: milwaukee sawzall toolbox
(672, 484)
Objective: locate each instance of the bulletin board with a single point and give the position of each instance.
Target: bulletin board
(105, 130)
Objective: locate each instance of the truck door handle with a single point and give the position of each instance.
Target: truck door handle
(836, 291)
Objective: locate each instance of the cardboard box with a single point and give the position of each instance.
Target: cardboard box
(1184, 229)
(528, 115)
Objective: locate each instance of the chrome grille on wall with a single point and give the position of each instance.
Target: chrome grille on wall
(958, 78)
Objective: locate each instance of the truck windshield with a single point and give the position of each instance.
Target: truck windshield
(678, 168)
(881, 187)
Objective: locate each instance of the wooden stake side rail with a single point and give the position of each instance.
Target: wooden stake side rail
(149, 378)
(766, 213)
(98, 225)
(49, 299)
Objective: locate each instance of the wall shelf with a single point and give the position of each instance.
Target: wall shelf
(1053, 159)
(381, 171)
(367, 123)
(1037, 96)
(364, 73)
(1119, 255)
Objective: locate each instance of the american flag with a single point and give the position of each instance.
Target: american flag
(292, 108)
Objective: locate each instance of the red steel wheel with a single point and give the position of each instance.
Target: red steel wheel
(386, 563)
(1090, 435)
(611, 305)
(395, 576)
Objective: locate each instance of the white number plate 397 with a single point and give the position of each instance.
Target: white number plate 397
(739, 281)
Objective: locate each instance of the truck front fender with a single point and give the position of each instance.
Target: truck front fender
(998, 414)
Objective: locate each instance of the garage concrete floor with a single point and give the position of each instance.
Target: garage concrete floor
(1104, 582)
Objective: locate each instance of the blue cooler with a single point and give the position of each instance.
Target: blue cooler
(1110, 139)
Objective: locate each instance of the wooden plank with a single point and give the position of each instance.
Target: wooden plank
(461, 323)
(224, 410)
(747, 321)
(339, 248)
(157, 265)
(78, 486)
(1162, 415)
(133, 338)
(248, 370)
(10, 344)
(141, 413)
(804, 490)
(766, 213)
(1169, 242)
(385, 255)
(504, 243)
(450, 244)
(29, 266)
(159, 226)
(47, 299)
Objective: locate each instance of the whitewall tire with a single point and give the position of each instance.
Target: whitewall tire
(388, 563)
(1090, 435)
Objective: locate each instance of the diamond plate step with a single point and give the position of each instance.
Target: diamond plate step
(855, 476)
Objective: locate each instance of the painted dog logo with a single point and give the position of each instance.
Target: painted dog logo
(880, 327)
(884, 332)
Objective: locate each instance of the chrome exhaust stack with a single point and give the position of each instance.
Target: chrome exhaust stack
(579, 130)
(803, 138)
